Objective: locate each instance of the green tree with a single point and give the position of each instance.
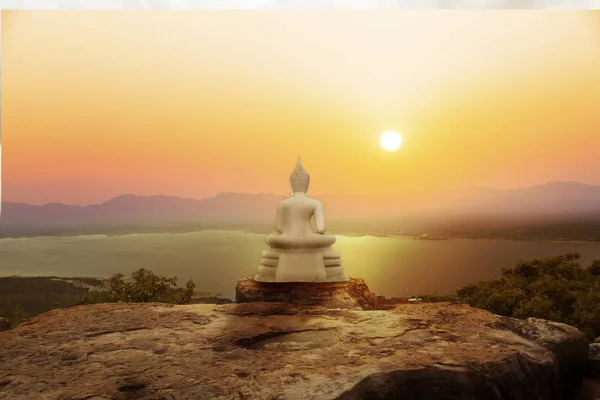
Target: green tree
(143, 287)
(556, 288)
(594, 269)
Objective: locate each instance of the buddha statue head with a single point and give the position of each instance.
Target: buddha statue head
(299, 180)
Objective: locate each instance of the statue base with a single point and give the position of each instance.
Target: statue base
(351, 294)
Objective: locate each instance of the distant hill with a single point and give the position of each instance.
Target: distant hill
(145, 209)
(555, 200)
(224, 206)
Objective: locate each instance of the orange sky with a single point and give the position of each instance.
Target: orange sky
(101, 103)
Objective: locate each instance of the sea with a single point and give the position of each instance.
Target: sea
(216, 259)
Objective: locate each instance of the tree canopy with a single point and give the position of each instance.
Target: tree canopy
(143, 287)
(556, 288)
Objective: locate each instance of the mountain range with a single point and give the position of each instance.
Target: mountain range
(554, 198)
(551, 199)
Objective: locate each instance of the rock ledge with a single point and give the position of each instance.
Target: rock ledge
(258, 351)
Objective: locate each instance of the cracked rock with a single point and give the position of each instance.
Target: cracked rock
(259, 351)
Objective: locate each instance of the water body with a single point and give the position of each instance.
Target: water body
(215, 260)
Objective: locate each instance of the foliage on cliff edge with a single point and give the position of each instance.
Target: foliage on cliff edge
(144, 287)
(556, 288)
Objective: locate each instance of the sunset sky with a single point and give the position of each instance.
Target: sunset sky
(101, 103)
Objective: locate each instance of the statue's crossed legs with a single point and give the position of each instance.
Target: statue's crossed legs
(315, 265)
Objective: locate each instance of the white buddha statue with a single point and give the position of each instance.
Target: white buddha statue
(298, 253)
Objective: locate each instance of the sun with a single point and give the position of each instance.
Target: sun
(391, 141)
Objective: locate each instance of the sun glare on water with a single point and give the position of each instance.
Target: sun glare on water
(391, 141)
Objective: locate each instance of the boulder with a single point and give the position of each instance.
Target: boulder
(280, 351)
(352, 294)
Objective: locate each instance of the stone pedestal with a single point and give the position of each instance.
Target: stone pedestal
(353, 293)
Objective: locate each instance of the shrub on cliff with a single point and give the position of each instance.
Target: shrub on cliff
(555, 288)
(143, 287)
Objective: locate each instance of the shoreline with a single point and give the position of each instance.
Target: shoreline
(260, 232)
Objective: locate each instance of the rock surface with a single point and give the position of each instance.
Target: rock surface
(352, 294)
(590, 390)
(594, 361)
(280, 351)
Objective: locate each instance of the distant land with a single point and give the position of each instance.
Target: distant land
(556, 210)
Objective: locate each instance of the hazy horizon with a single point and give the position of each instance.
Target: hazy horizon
(101, 103)
(366, 196)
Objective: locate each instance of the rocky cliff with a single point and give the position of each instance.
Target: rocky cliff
(278, 351)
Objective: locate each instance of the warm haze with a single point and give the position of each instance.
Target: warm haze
(190, 104)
